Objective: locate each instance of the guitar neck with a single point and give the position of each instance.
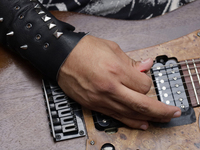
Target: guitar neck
(191, 71)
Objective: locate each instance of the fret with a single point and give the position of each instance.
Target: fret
(192, 81)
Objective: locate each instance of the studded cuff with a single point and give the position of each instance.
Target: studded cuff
(29, 29)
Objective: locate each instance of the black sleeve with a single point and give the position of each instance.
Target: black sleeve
(33, 32)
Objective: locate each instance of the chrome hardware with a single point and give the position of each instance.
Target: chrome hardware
(1, 19)
(17, 7)
(24, 47)
(51, 25)
(38, 37)
(57, 34)
(46, 45)
(37, 6)
(29, 25)
(39, 12)
(46, 18)
(11, 33)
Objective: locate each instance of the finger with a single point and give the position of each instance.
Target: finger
(144, 66)
(147, 106)
(125, 111)
(120, 108)
(137, 124)
(135, 80)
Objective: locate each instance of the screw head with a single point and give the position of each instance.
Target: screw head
(92, 142)
(198, 34)
(58, 137)
(104, 120)
(81, 132)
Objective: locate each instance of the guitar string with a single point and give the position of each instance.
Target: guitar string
(171, 70)
(179, 63)
(188, 82)
(175, 78)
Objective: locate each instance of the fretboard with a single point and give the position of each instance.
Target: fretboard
(191, 73)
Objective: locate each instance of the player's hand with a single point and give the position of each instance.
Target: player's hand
(100, 76)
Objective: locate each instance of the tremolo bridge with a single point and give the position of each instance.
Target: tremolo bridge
(65, 115)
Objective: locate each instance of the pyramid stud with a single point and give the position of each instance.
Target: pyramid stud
(37, 6)
(57, 34)
(51, 25)
(40, 12)
(11, 33)
(1, 19)
(24, 47)
(46, 18)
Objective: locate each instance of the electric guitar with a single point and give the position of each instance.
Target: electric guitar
(23, 123)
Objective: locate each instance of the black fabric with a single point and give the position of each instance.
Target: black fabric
(47, 53)
(119, 9)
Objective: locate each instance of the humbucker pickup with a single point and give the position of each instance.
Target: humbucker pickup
(169, 82)
(171, 89)
(65, 115)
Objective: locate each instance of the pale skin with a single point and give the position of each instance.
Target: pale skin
(101, 77)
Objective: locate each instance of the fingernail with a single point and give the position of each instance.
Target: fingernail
(177, 114)
(146, 60)
(143, 127)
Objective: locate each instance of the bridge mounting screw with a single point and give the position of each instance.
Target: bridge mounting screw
(81, 132)
(58, 137)
(92, 142)
(198, 34)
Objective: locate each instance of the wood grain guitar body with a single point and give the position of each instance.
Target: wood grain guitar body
(155, 138)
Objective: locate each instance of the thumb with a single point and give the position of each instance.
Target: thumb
(144, 65)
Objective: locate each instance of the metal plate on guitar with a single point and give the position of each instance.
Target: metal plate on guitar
(65, 115)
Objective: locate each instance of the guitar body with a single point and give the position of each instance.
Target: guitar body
(155, 138)
(23, 118)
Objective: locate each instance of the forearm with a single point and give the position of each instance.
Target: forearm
(29, 29)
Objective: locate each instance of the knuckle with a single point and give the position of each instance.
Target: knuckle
(114, 45)
(94, 99)
(142, 108)
(104, 87)
(114, 68)
(164, 115)
(109, 87)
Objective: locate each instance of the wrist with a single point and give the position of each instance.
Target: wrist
(29, 29)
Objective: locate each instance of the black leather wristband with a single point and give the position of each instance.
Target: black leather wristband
(29, 29)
